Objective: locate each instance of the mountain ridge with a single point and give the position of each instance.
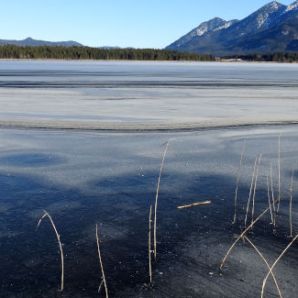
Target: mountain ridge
(29, 41)
(272, 27)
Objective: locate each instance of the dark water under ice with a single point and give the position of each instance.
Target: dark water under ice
(84, 178)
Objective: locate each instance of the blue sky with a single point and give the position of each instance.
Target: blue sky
(136, 23)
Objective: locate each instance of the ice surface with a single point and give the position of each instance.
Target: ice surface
(110, 179)
(146, 95)
(83, 178)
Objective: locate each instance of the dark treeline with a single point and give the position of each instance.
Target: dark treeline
(77, 53)
(275, 57)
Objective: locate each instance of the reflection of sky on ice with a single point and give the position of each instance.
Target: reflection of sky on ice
(79, 159)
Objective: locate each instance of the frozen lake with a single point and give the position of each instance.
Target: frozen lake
(146, 95)
(85, 177)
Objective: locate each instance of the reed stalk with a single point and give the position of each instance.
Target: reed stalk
(204, 203)
(267, 264)
(46, 214)
(103, 276)
(272, 194)
(275, 263)
(156, 198)
(250, 191)
(241, 237)
(237, 184)
(269, 201)
(291, 205)
(272, 186)
(149, 245)
(255, 188)
(279, 174)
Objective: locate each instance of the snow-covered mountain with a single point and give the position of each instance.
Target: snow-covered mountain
(260, 20)
(274, 27)
(213, 25)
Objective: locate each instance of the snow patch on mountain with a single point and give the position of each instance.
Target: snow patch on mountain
(202, 30)
(292, 6)
(264, 15)
(261, 19)
(208, 26)
(226, 25)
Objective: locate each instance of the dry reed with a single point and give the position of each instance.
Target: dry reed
(269, 201)
(279, 175)
(247, 228)
(156, 198)
(275, 263)
(267, 264)
(250, 191)
(272, 190)
(255, 188)
(291, 205)
(149, 245)
(103, 277)
(46, 214)
(204, 203)
(237, 184)
(241, 237)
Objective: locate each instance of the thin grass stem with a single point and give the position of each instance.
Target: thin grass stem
(272, 188)
(241, 237)
(279, 173)
(255, 188)
(156, 198)
(275, 263)
(273, 200)
(237, 183)
(250, 191)
(269, 201)
(203, 203)
(103, 276)
(46, 214)
(149, 245)
(291, 205)
(267, 264)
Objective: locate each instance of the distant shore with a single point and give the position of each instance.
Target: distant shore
(131, 54)
(219, 61)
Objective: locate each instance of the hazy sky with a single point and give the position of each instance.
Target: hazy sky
(136, 23)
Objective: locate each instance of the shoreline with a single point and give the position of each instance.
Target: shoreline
(148, 61)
